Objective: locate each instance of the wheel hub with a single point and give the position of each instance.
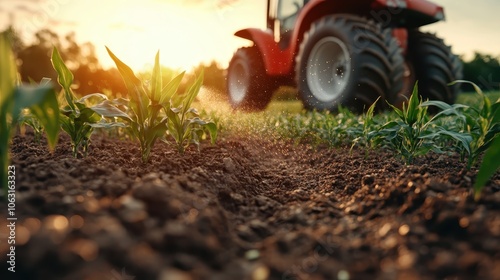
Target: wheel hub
(238, 82)
(328, 69)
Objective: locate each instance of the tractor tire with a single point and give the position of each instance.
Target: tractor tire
(349, 61)
(249, 87)
(435, 67)
(409, 80)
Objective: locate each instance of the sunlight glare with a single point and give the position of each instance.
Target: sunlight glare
(176, 31)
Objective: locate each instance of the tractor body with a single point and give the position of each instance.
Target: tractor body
(346, 53)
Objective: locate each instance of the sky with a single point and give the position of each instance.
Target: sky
(187, 32)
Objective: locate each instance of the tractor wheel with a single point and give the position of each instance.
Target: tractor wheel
(248, 85)
(435, 67)
(409, 79)
(349, 61)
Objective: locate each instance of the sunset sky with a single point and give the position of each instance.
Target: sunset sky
(191, 31)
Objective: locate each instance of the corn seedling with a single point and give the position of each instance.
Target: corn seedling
(40, 100)
(482, 124)
(184, 123)
(406, 134)
(488, 167)
(364, 137)
(28, 119)
(415, 132)
(155, 109)
(78, 119)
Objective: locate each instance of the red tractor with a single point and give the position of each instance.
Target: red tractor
(347, 53)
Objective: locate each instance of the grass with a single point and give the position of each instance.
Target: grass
(282, 116)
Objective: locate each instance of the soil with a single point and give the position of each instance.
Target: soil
(246, 208)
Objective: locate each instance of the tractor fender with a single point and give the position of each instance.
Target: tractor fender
(274, 58)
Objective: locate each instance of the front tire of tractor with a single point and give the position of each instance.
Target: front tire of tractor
(435, 67)
(349, 61)
(249, 87)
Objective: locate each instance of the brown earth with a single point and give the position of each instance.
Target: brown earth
(247, 209)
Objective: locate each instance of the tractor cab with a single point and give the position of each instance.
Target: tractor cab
(282, 16)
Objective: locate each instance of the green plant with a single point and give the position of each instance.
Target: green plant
(14, 98)
(482, 123)
(153, 110)
(407, 134)
(488, 167)
(184, 123)
(26, 118)
(78, 118)
(415, 132)
(364, 137)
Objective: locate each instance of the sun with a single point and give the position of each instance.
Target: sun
(135, 35)
(185, 34)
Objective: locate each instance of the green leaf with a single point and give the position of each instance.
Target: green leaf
(136, 92)
(27, 95)
(64, 77)
(464, 139)
(87, 116)
(67, 126)
(128, 75)
(198, 121)
(193, 111)
(495, 113)
(156, 81)
(45, 81)
(173, 117)
(445, 108)
(42, 102)
(412, 112)
(170, 89)
(398, 111)
(212, 130)
(476, 87)
(107, 125)
(159, 129)
(8, 71)
(108, 110)
(89, 96)
(193, 92)
(488, 167)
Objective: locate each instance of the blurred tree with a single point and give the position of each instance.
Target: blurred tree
(484, 70)
(34, 60)
(34, 63)
(214, 77)
(17, 42)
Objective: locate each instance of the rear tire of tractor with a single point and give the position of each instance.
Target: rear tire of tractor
(249, 87)
(349, 61)
(435, 67)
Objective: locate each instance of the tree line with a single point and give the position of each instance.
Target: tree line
(34, 63)
(484, 70)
